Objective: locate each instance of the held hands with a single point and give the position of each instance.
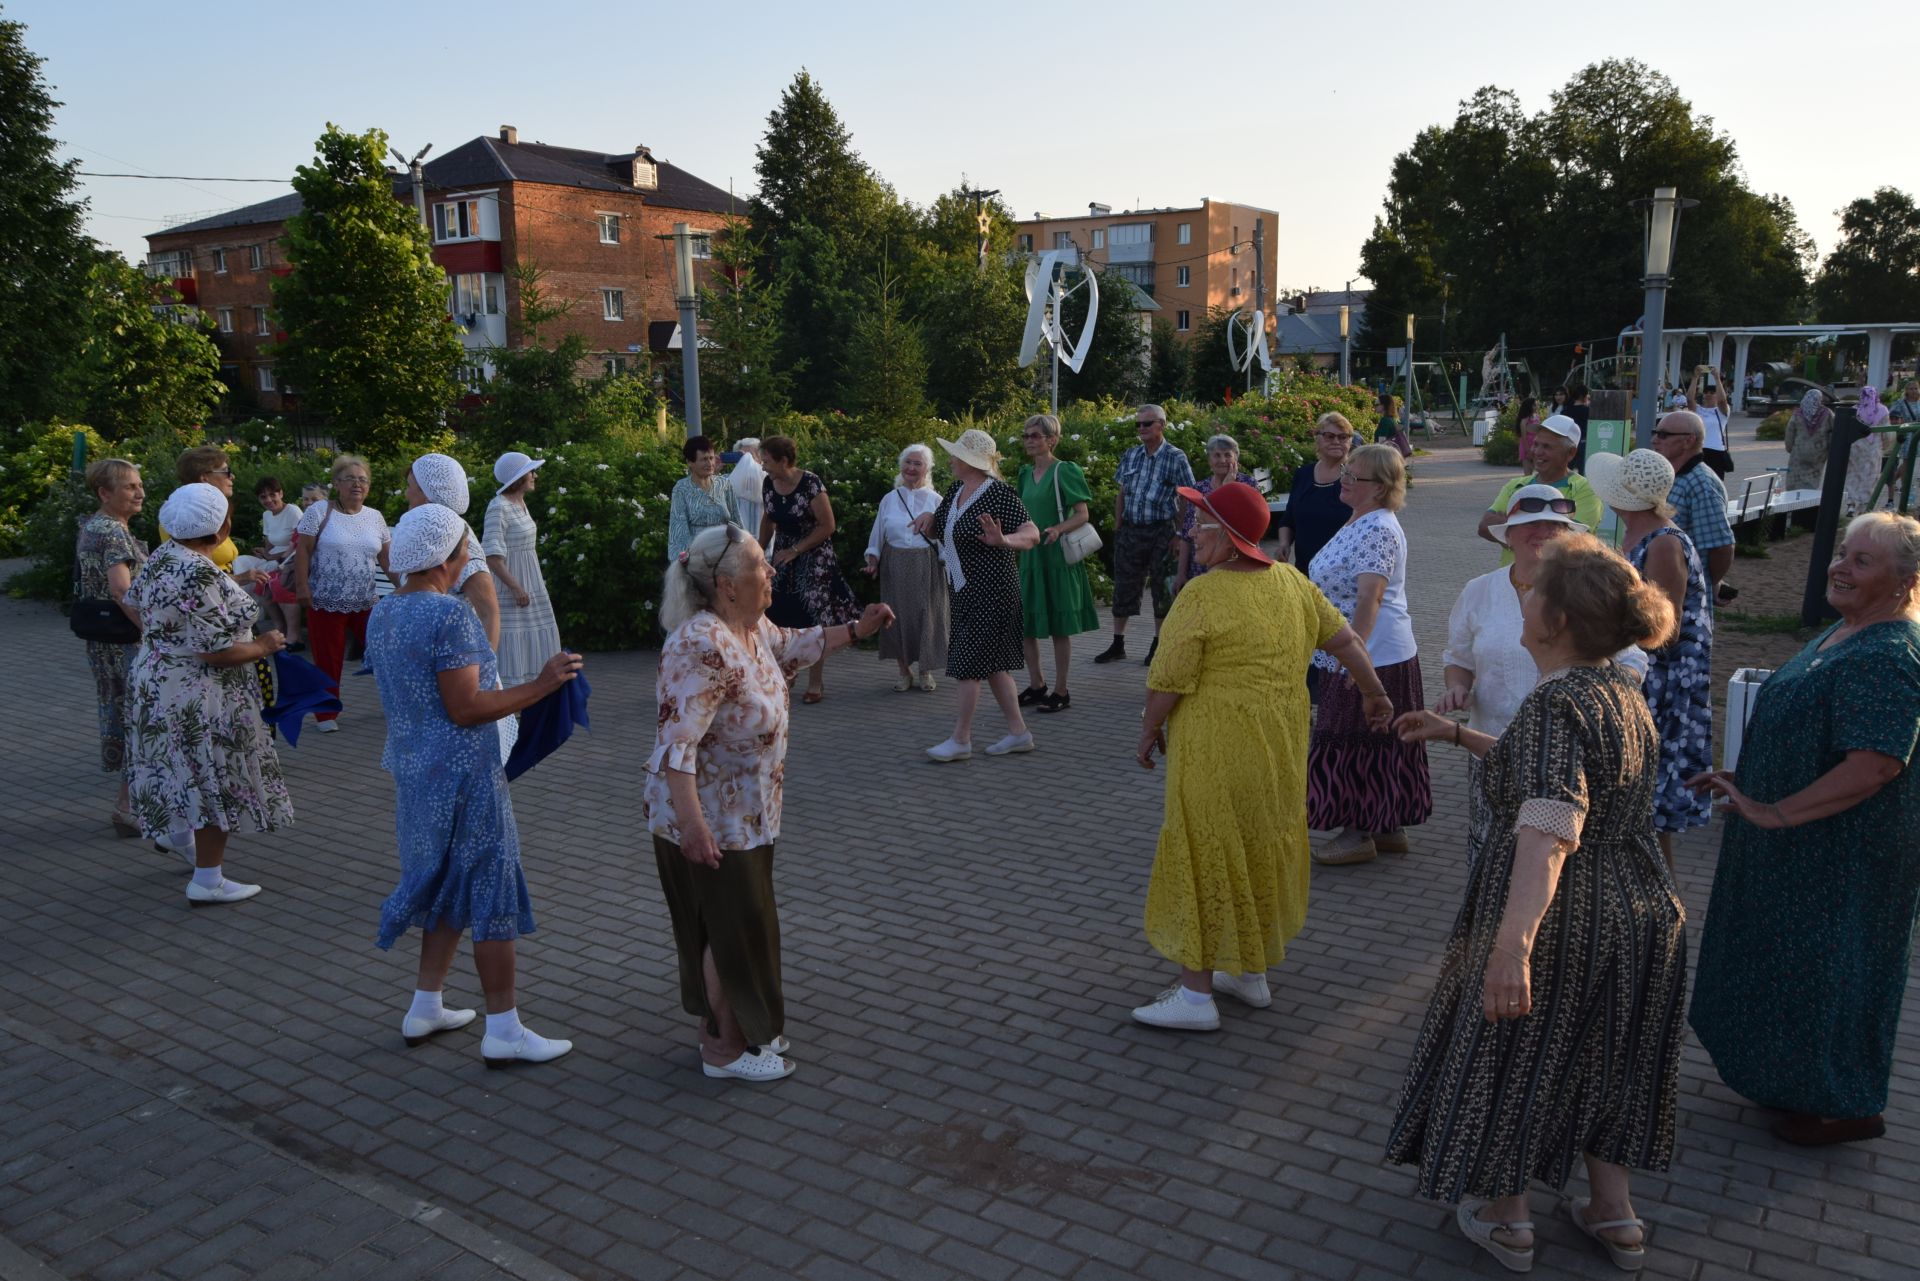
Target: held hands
(1378, 709)
(1508, 993)
(1424, 727)
(560, 669)
(1719, 781)
(698, 846)
(874, 618)
(1455, 699)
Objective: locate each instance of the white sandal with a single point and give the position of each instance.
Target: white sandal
(1628, 1258)
(750, 1066)
(1481, 1233)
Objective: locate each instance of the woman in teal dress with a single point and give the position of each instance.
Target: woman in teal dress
(1803, 963)
(1055, 599)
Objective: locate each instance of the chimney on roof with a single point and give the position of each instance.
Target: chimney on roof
(509, 135)
(1098, 211)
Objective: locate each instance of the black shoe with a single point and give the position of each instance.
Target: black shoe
(1032, 694)
(1113, 652)
(1055, 703)
(1148, 660)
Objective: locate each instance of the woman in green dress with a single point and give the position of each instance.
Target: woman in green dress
(1803, 963)
(1055, 598)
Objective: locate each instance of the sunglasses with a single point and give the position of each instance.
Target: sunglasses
(1332, 435)
(1533, 506)
(1672, 435)
(1357, 478)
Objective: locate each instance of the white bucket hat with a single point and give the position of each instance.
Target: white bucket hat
(1548, 498)
(424, 538)
(1637, 483)
(443, 480)
(975, 448)
(513, 465)
(194, 511)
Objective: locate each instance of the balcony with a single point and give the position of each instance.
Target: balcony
(1141, 253)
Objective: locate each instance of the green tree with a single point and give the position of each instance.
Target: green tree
(743, 380)
(1116, 366)
(972, 321)
(1214, 379)
(144, 362)
(1169, 364)
(886, 375)
(537, 396)
(44, 254)
(1873, 273)
(370, 345)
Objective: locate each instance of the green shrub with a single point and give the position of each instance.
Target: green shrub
(33, 459)
(1773, 426)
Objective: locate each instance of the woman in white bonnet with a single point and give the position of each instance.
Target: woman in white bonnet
(198, 755)
(436, 478)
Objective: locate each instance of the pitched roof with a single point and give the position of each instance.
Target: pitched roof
(279, 209)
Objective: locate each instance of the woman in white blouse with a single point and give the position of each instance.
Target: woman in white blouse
(908, 566)
(340, 549)
(712, 798)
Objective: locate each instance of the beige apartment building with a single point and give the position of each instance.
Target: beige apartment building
(1188, 260)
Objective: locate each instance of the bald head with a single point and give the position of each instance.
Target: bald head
(1680, 437)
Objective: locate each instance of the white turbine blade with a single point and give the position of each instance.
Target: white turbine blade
(1039, 282)
(1077, 355)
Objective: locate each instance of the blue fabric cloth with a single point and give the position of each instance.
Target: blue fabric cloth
(1679, 690)
(1699, 503)
(1148, 483)
(459, 849)
(548, 724)
(299, 690)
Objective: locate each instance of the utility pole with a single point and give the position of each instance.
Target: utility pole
(687, 298)
(981, 217)
(1259, 289)
(418, 173)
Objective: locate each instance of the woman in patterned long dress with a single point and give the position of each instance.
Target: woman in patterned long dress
(713, 790)
(1804, 960)
(198, 756)
(1679, 681)
(1227, 706)
(528, 634)
(107, 556)
(796, 528)
(453, 819)
(1555, 1029)
(980, 525)
(1055, 598)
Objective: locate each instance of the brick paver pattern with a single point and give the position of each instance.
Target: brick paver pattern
(224, 1093)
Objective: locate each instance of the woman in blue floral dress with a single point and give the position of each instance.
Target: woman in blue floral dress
(1679, 678)
(459, 849)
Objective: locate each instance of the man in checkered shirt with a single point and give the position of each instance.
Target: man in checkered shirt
(1699, 499)
(1143, 518)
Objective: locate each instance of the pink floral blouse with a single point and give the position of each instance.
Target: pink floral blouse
(723, 719)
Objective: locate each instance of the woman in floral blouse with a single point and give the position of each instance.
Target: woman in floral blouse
(701, 498)
(713, 789)
(107, 556)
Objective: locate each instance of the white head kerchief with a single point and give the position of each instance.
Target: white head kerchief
(194, 511)
(424, 538)
(443, 480)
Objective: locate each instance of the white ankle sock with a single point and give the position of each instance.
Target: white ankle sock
(210, 877)
(505, 1026)
(426, 1005)
(1192, 997)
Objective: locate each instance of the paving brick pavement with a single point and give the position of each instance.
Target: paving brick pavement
(225, 1094)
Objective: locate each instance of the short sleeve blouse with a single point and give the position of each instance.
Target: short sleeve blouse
(1369, 544)
(346, 557)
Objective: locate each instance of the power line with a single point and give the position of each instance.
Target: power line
(175, 177)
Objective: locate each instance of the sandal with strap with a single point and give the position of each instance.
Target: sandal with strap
(1476, 1230)
(1032, 694)
(1628, 1258)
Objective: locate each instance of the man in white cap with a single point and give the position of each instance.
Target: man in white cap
(1554, 446)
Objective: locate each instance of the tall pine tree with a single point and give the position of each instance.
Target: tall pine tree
(887, 363)
(743, 381)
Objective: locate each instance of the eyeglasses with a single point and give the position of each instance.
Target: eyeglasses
(1672, 435)
(1333, 435)
(1204, 525)
(1561, 506)
(1357, 478)
(1033, 435)
(221, 471)
(358, 482)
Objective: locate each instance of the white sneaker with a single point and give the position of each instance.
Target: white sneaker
(530, 1048)
(1172, 1010)
(950, 751)
(927, 682)
(225, 892)
(1012, 743)
(326, 727)
(1250, 988)
(417, 1030)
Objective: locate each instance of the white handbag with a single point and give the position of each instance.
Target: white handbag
(1076, 544)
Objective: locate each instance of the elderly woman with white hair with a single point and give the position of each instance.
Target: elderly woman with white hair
(713, 790)
(198, 755)
(980, 524)
(529, 636)
(1223, 468)
(747, 479)
(459, 848)
(908, 566)
(436, 478)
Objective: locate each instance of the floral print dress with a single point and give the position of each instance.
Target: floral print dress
(1679, 689)
(198, 754)
(105, 542)
(809, 591)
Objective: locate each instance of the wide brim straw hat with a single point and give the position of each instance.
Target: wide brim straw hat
(1546, 492)
(1241, 511)
(512, 466)
(975, 448)
(1637, 483)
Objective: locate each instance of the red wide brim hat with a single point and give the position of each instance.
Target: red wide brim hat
(1241, 511)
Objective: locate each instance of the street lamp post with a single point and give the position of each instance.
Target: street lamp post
(687, 299)
(1663, 233)
(1406, 407)
(1346, 344)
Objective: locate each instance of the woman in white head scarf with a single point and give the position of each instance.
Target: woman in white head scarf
(198, 756)
(459, 848)
(436, 478)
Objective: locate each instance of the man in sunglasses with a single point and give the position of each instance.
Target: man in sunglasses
(1698, 498)
(1554, 445)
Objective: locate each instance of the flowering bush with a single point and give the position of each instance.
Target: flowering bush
(33, 460)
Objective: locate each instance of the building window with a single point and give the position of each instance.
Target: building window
(263, 378)
(1183, 321)
(260, 322)
(614, 366)
(476, 294)
(1063, 240)
(219, 262)
(1132, 233)
(1099, 237)
(703, 245)
(1186, 277)
(456, 220)
(256, 257)
(472, 378)
(1186, 233)
(609, 229)
(1026, 243)
(225, 317)
(613, 304)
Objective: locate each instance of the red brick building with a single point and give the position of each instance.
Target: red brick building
(588, 219)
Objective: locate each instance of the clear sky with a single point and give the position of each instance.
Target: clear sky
(1294, 107)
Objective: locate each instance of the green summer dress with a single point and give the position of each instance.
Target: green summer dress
(1055, 598)
(1803, 962)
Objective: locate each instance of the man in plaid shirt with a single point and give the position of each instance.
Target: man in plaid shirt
(1699, 499)
(1143, 515)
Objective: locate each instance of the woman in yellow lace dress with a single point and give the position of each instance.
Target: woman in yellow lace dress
(1227, 705)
